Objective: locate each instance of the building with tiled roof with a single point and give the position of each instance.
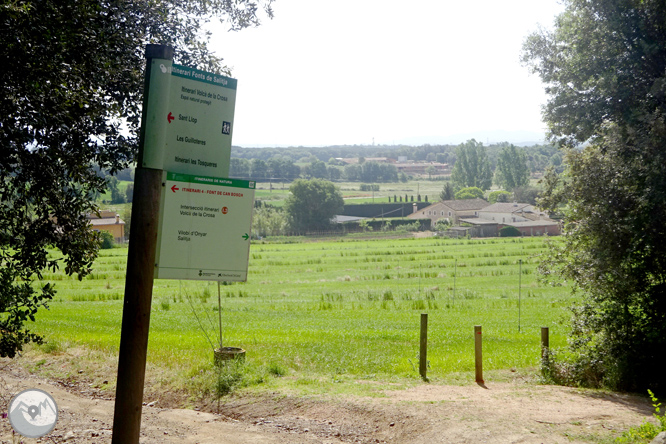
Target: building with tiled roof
(108, 221)
(452, 210)
(508, 212)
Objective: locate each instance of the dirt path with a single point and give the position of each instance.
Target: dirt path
(508, 412)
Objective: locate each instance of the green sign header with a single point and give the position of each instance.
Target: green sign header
(203, 76)
(235, 183)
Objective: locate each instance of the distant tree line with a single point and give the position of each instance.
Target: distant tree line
(537, 157)
(285, 170)
(287, 164)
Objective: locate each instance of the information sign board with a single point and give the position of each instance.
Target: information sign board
(190, 120)
(204, 228)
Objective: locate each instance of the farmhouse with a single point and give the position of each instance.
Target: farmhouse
(108, 221)
(478, 218)
(508, 213)
(451, 210)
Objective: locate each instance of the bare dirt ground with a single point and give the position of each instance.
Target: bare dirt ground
(518, 411)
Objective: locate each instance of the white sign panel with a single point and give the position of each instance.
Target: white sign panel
(204, 231)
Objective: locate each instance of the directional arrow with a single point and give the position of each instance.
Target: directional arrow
(170, 117)
(245, 236)
(174, 188)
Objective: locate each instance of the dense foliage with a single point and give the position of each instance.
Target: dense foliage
(287, 164)
(70, 95)
(312, 204)
(469, 193)
(605, 69)
(472, 167)
(511, 171)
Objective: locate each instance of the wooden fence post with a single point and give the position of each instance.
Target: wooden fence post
(478, 355)
(545, 344)
(423, 354)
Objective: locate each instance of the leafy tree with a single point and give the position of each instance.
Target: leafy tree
(528, 195)
(605, 67)
(352, 173)
(472, 167)
(512, 171)
(116, 196)
(129, 193)
(316, 169)
(447, 193)
(312, 204)
(259, 169)
(443, 157)
(239, 168)
(70, 100)
(127, 217)
(499, 196)
(333, 173)
(280, 167)
(469, 193)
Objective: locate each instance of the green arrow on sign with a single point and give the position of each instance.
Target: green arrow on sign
(245, 236)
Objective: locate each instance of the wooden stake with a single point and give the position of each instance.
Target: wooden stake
(423, 354)
(478, 355)
(545, 343)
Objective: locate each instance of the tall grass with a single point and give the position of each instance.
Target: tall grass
(337, 307)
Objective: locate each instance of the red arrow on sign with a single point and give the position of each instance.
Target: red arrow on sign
(174, 189)
(170, 117)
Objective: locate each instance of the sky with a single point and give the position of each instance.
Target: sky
(358, 72)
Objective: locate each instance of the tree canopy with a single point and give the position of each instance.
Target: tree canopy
(472, 167)
(469, 193)
(447, 192)
(603, 62)
(511, 171)
(604, 66)
(312, 204)
(70, 100)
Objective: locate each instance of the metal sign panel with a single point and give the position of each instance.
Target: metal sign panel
(204, 231)
(190, 120)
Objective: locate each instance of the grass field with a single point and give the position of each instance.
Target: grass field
(351, 191)
(333, 309)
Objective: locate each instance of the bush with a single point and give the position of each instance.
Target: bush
(416, 226)
(107, 240)
(442, 225)
(509, 232)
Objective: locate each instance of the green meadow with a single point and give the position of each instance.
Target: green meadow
(341, 309)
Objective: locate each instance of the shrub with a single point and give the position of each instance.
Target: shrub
(107, 240)
(509, 232)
